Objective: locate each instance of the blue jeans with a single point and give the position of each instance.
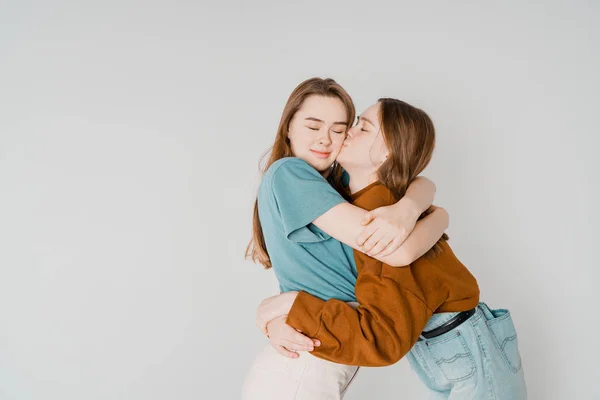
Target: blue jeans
(477, 360)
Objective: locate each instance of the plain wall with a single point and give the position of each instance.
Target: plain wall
(130, 135)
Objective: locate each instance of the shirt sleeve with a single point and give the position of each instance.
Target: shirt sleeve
(387, 323)
(302, 195)
(379, 332)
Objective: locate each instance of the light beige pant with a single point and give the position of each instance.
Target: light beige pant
(275, 377)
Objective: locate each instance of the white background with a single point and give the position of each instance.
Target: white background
(130, 135)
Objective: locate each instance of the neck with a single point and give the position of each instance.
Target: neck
(360, 179)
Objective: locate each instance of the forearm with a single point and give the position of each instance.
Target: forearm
(419, 195)
(379, 332)
(273, 307)
(425, 235)
(405, 213)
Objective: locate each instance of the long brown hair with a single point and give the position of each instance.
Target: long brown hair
(257, 249)
(409, 135)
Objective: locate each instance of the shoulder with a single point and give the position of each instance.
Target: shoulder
(287, 163)
(291, 168)
(381, 191)
(376, 196)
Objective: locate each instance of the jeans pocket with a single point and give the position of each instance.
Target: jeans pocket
(504, 335)
(452, 354)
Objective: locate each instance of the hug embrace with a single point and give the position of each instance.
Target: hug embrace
(366, 272)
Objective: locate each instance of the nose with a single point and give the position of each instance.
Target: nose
(350, 132)
(325, 138)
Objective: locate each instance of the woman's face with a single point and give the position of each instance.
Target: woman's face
(317, 131)
(364, 147)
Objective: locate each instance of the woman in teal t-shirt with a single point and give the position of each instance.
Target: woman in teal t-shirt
(305, 230)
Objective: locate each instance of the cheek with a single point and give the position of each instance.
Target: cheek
(363, 148)
(338, 140)
(379, 146)
(295, 140)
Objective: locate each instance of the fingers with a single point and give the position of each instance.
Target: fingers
(366, 220)
(372, 241)
(383, 243)
(316, 342)
(285, 352)
(291, 339)
(294, 346)
(296, 337)
(366, 234)
(392, 247)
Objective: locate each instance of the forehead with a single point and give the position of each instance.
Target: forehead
(328, 109)
(372, 113)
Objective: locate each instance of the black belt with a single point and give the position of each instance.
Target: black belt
(448, 326)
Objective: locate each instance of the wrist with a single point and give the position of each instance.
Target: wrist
(410, 207)
(266, 331)
(286, 306)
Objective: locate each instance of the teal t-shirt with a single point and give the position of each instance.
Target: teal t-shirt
(291, 195)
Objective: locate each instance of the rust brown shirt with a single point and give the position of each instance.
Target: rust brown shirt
(395, 303)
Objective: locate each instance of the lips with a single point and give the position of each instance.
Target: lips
(320, 154)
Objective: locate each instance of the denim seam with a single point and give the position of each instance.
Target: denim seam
(499, 319)
(467, 355)
(299, 382)
(484, 360)
(475, 318)
(502, 345)
(423, 361)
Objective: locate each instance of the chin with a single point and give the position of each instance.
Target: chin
(322, 165)
(314, 163)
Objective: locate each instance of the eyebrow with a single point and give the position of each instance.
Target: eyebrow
(320, 120)
(366, 119)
